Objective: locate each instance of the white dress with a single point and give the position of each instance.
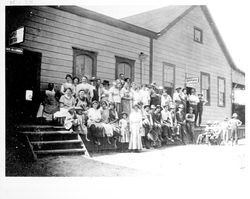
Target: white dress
(135, 120)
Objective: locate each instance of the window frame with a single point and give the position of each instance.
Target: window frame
(91, 54)
(201, 38)
(218, 92)
(209, 87)
(130, 62)
(163, 71)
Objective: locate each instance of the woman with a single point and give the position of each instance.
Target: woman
(136, 95)
(94, 123)
(135, 121)
(49, 105)
(126, 101)
(67, 84)
(114, 121)
(66, 101)
(145, 95)
(104, 90)
(89, 89)
(105, 120)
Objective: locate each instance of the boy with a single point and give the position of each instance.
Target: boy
(190, 117)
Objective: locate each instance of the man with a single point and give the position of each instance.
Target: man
(177, 97)
(200, 108)
(96, 82)
(193, 101)
(86, 87)
(181, 121)
(166, 123)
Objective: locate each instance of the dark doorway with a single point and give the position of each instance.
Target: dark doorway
(22, 73)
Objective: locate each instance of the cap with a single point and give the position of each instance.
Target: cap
(234, 115)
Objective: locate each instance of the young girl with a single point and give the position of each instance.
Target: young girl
(124, 126)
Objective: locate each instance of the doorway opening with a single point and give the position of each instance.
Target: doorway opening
(22, 74)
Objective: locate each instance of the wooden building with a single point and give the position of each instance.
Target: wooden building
(173, 46)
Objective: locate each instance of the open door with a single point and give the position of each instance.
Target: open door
(22, 74)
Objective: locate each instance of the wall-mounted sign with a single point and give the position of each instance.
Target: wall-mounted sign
(14, 50)
(17, 36)
(192, 81)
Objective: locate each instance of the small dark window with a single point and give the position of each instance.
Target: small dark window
(221, 91)
(198, 35)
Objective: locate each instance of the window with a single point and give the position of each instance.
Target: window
(198, 35)
(221, 91)
(125, 66)
(205, 86)
(168, 77)
(84, 63)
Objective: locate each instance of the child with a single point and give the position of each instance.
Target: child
(71, 121)
(234, 123)
(190, 117)
(124, 126)
(224, 126)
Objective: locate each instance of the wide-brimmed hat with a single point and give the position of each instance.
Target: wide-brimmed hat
(93, 79)
(234, 115)
(152, 106)
(181, 106)
(178, 88)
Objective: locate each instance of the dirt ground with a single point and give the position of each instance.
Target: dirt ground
(182, 160)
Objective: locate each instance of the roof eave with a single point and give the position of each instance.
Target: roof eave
(107, 20)
(219, 39)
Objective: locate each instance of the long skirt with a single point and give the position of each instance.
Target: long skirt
(96, 129)
(108, 129)
(135, 137)
(124, 136)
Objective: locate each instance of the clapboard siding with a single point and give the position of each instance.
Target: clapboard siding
(55, 33)
(190, 58)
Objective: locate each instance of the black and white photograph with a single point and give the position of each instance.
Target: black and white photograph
(139, 90)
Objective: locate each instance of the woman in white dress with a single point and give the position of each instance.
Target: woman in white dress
(135, 121)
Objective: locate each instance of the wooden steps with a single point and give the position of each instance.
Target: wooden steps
(44, 140)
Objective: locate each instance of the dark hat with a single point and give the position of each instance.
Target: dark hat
(105, 82)
(68, 75)
(145, 106)
(178, 88)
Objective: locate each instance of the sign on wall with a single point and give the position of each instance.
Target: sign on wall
(192, 81)
(17, 36)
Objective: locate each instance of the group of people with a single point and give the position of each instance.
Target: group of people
(221, 133)
(141, 115)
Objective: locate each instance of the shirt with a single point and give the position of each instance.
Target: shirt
(176, 97)
(67, 101)
(165, 100)
(86, 87)
(193, 99)
(165, 115)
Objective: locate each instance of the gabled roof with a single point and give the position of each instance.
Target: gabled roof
(158, 19)
(163, 19)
